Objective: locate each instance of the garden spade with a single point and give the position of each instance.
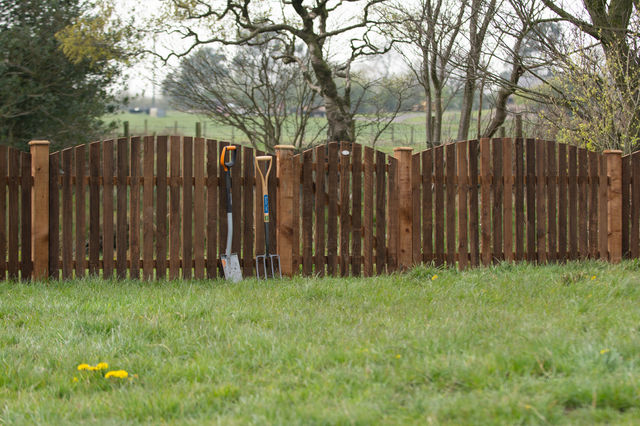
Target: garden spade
(230, 263)
(266, 262)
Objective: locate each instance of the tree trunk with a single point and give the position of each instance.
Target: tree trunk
(429, 121)
(467, 105)
(501, 101)
(437, 134)
(341, 127)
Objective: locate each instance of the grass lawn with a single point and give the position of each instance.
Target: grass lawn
(503, 345)
(410, 132)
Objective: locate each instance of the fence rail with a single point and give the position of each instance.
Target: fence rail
(154, 207)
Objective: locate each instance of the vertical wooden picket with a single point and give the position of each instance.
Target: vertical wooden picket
(552, 211)
(108, 238)
(485, 212)
(248, 234)
(450, 167)
(562, 202)
(393, 216)
(356, 210)
(161, 207)
(583, 215)
(634, 243)
(320, 203)
(122, 194)
(573, 203)
(148, 221)
(626, 202)
(187, 207)
(94, 208)
(541, 205)
(531, 200)
(345, 222)
(507, 212)
(519, 199)
(307, 212)
(416, 223)
(81, 211)
(463, 190)
(381, 221)
(174, 208)
(212, 208)
(474, 173)
(134, 210)
(615, 171)
(368, 212)
(497, 185)
(594, 172)
(332, 218)
(199, 208)
(54, 214)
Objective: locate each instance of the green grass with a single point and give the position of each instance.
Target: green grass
(504, 345)
(410, 132)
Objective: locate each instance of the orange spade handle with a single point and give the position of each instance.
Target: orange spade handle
(226, 165)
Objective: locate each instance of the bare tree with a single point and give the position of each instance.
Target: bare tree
(482, 13)
(242, 22)
(432, 27)
(248, 89)
(519, 23)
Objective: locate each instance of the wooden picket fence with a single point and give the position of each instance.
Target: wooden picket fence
(15, 213)
(509, 199)
(153, 207)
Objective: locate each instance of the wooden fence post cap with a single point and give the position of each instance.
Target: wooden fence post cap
(402, 148)
(612, 151)
(285, 147)
(39, 143)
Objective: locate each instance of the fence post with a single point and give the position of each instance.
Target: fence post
(40, 208)
(518, 126)
(405, 207)
(285, 203)
(614, 204)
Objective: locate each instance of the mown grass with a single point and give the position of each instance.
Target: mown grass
(503, 345)
(409, 132)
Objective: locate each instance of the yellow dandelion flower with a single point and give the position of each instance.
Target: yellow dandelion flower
(84, 367)
(120, 374)
(593, 277)
(604, 351)
(102, 366)
(398, 356)
(435, 277)
(75, 380)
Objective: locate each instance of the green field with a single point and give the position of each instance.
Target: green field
(503, 345)
(408, 132)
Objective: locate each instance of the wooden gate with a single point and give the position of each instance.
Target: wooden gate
(478, 202)
(152, 205)
(15, 214)
(344, 212)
